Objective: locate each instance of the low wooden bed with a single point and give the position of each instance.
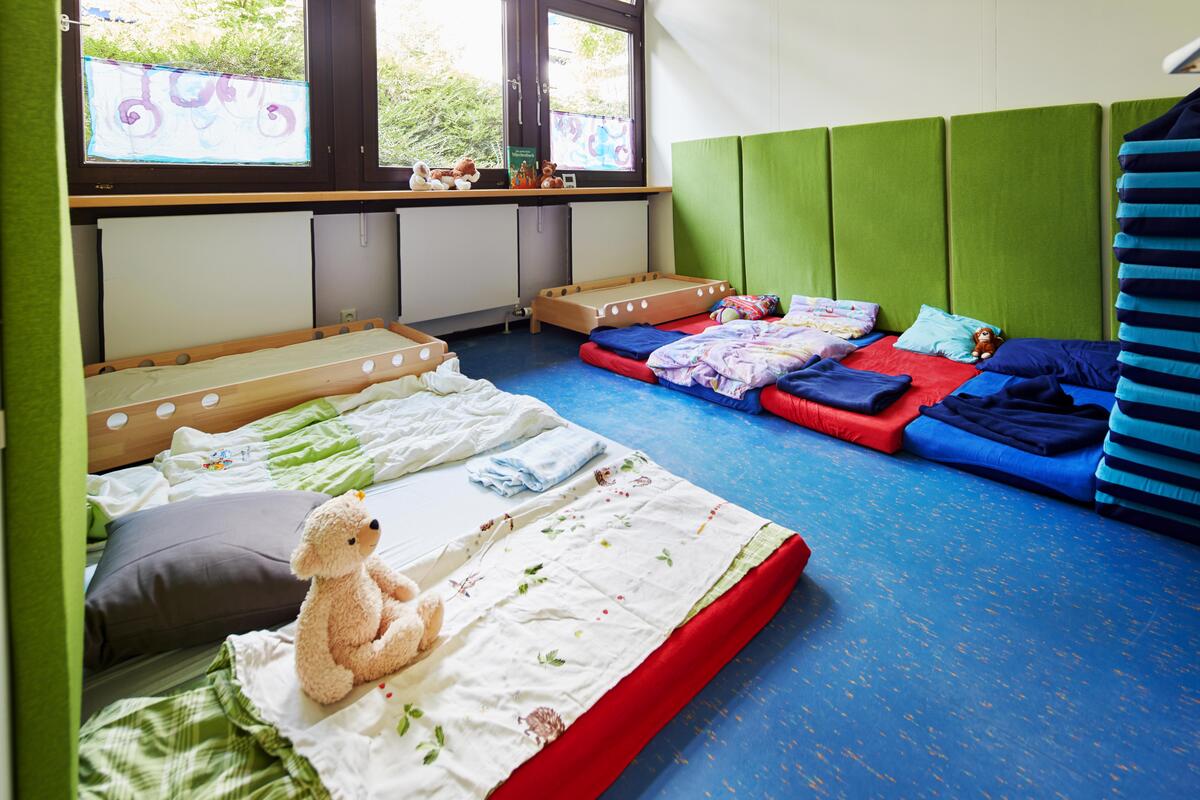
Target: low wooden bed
(135, 404)
(647, 297)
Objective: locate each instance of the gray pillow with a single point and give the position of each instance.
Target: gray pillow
(193, 572)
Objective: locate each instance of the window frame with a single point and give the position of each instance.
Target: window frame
(344, 107)
(93, 178)
(612, 14)
(375, 175)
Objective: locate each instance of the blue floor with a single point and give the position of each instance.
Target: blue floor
(951, 637)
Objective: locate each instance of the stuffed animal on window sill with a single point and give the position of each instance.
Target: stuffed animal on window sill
(422, 179)
(549, 179)
(360, 620)
(986, 342)
(461, 177)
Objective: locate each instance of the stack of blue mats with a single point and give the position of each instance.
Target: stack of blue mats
(1070, 474)
(1150, 474)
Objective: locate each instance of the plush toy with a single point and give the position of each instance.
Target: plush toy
(986, 342)
(549, 179)
(422, 180)
(360, 620)
(465, 174)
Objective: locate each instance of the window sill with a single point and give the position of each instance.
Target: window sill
(274, 198)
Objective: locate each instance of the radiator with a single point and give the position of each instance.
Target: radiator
(456, 260)
(609, 239)
(175, 282)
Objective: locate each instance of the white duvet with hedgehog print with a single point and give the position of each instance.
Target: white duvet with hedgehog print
(546, 610)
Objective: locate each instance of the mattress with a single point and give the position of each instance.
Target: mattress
(627, 291)
(591, 353)
(415, 520)
(933, 377)
(1070, 475)
(144, 384)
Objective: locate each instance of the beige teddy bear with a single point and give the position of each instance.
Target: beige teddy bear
(360, 620)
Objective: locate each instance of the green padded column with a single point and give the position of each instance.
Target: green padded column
(786, 214)
(706, 203)
(1025, 250)
(889, 216)
(1124, 117)
(46, 454)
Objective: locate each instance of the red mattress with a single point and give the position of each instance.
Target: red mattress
(934, 377)
(586, 759)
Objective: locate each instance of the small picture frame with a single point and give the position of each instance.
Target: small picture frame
(569, 180)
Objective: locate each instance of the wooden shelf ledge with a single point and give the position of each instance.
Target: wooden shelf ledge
(257, 198)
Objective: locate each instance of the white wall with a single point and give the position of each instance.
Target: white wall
(351, 274)
(717, 67)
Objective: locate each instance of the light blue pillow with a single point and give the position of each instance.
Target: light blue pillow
(939, 333)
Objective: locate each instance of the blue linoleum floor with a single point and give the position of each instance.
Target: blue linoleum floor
(951, 637)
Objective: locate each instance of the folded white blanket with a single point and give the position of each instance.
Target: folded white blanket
(538, 463)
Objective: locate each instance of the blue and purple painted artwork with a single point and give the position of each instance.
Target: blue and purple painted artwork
(589, 141)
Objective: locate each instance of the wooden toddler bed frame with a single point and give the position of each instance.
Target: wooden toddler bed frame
(649, 297)
(127, 433)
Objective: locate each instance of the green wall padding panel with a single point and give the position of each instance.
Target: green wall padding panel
(1025, 249)
(786, 214)
(42, 382)
(1124, 117)
(889, 216)
(706, 203)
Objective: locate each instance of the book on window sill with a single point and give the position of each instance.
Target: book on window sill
(522, 167)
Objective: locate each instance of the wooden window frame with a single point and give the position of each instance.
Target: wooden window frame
(94, 178)
(341, 63)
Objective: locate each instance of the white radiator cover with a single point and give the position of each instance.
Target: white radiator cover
(176, 282)
(609, 239)
(456, 260)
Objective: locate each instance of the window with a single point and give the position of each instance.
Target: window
(187, 82)
(253, 95)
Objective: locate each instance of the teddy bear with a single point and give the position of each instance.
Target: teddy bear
(422, 180)
(549, 179)
(986, 342)
(461, 177)
(360, 620)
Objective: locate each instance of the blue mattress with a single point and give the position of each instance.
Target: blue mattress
(1070, 475)
(750, 402)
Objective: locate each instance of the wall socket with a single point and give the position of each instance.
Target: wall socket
(349, 315)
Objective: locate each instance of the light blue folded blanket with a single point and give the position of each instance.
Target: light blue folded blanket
(538, 463)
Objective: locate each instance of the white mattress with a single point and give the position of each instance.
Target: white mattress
(628, 291)
(418, 513)
(143, 384)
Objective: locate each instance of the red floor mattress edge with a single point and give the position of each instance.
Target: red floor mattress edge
(585, 760)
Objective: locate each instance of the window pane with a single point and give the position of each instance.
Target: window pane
(196, 82)
(591, 118)
(441, 81)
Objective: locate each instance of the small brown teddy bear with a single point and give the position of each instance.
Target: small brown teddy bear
(360, 620)
(549, 179)
(986, 342)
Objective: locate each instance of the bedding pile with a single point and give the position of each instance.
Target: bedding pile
(544, 461)
(831, 383)
(547, 609)
(335, 444)
(1034, 415)
(848, 319)
(739, 356)
(744, 306)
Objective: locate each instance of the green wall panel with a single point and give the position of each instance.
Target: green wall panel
(1025, 247)
(786, 213)
(706, 201)
(1124, 117)
(42, 380)
(889, 216)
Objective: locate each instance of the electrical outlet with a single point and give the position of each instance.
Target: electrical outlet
(349, 314)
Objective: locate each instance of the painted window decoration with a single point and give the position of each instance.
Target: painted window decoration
(171, 115)
(591, 105)
(590, 141)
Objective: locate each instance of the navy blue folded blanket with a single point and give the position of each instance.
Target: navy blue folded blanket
(636, 341)
(825, 381)
(1036, 416)
(1181, 122)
